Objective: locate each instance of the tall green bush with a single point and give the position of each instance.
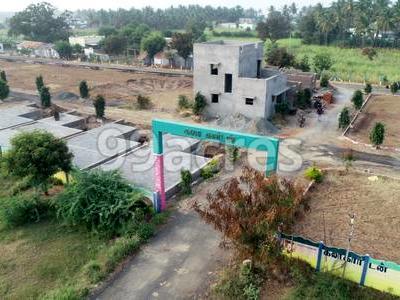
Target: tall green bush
(99, 105)
(102, 201)
(4, 90)
(3, 76)
(377, 134)
(357, 99)
(368, 88)
(183, 102)
(39, 83)
(45, 97)
(200, 104)
(84, 89)
(186, 182)
(344, 118)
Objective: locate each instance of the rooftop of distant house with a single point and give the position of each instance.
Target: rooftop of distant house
(233, 43)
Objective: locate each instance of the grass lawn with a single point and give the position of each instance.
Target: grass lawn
(350, 64)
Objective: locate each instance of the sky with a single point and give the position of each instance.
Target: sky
(17, 5)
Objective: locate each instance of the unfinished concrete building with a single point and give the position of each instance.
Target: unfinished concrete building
(230, 75)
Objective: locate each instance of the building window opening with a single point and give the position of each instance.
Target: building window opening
(249, 101)
(214, 98)
(214, 69)
(228, 83)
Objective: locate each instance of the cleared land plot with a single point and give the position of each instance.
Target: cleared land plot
(119, 88)
(376, 207)
(380, 108)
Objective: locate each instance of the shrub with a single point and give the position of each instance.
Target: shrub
(200, 104)
(102, 201)
(279, 56)
(368, 88)
(304, 98)
(394, 87)
(84, 89)
(39, 83)
(357, 99)
(3, 76)
(99, 105)
(16, 211)
(183, 102)
(313, 173)
(282, 108)
(45, 96)
(186, 182)
(303, 64)
(240, 283)
(369, 52)
(233, 153)
(210, 169)
(324, 81)
(322, 62)
(37, 155)
(344, 118)
(377, 134)
(4, 89)
(143, 102)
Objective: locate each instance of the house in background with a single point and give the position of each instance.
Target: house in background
(247, 24)
(227, 25)
(89, 41)
(230, 76)
(37, 49)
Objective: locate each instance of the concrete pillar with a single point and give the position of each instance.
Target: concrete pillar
(159, 183)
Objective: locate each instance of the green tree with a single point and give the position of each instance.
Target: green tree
(39, 83)
(3, 76)
(99, 105)
(186, 182)
(107, 31)
(77, 49)
(64, 49)
(275, 27)
(199, 105)
(153, 43)
(40, 22)
(322, 62)
(394, 87)
(84, 89)
(279, 56)
(4, 90)
(183, 43)
(344, 118)
(114, 44)
(303, 64)
(368, 88)
(324, 81)
(357, 99)
(45, 97)
(377, 134)
(37, 155)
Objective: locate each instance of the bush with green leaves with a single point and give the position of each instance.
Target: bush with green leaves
(377, 134)
(344, 118)
(4, 89)
(282, 108)
(368, 88)
(186, 182)
(143, 102)
(39, 83)
(313, 173)
(394, 87)
(199, 105)
(357, 99)
(45, 97)
(322, 62)
(3, 76)
(102, 201)
(37, 155)
(304, 98)
(183, 102)
(20, 210)
(242, 282)
(233, 153)
(84, 89)
(210, 169)
(324, 81)
(99, 105)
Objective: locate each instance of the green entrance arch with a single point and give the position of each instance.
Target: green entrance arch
(270, 145)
